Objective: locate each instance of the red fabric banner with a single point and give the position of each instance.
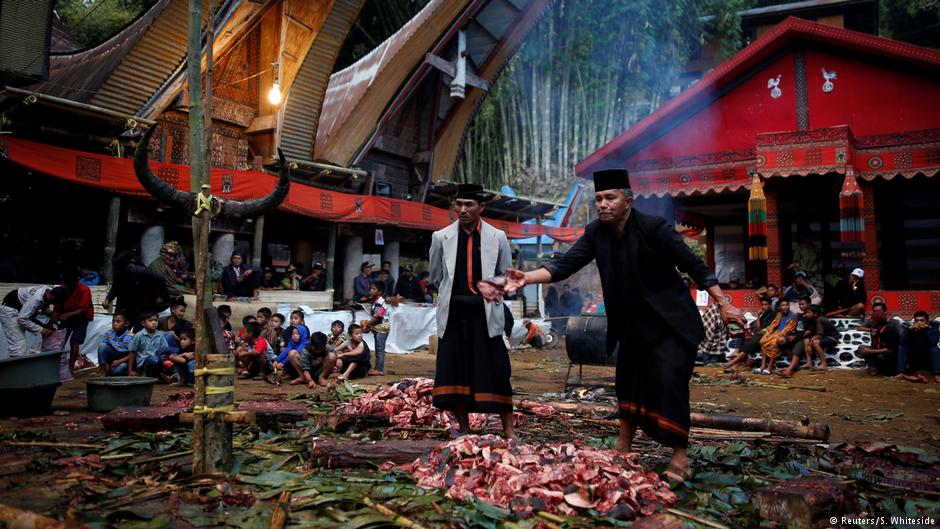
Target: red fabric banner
(117, 175)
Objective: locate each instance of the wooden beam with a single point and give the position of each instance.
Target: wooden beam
(262, 124)
(448, 68)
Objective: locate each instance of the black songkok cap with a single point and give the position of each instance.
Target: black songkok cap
(471, 192)
(611, 179)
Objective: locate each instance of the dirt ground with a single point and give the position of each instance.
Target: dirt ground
(859, 409)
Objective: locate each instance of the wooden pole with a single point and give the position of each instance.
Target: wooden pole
(258, 244)
(110, 245)
(212, 437)
(331, 255)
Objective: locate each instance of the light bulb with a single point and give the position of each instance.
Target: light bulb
(274, 96)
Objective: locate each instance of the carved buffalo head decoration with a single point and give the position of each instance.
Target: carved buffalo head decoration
(187, 200)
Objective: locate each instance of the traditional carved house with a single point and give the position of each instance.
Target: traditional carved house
(364, 152)
(806, 111)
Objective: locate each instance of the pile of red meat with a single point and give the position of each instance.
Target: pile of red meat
(407, 403)
(560, 478)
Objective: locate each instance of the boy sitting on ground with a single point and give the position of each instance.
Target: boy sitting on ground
(114, 350)
(245, 321)
(177, 314)
(252, 356)
(353, 359)
(273, 332)
(337, 338)
(882, 356)
(147, 347)
(317, 362)
(184, 359)
(819, 335)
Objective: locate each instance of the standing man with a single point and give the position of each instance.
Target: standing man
(473, 369)
(649, 311)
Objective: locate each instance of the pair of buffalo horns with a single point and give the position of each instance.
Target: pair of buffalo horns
(187, 200)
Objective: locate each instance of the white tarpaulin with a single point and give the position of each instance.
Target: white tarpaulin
(411, 327)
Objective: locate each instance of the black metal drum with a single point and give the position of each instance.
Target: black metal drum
(586, 340)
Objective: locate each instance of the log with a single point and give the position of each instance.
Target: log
(274, 410)
(798, 429)
(659, 521)
(20, 519)
(281, 511)
(342, 422)
(808, 430)
(805, 502)
(141, 419)
(577, 408)
(233, 417)
(334, 453)
(13, 464)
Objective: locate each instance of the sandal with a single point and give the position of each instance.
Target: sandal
(676, 475)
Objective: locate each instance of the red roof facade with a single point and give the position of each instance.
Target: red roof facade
(805, 98)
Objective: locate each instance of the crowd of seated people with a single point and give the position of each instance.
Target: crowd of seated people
(796, 327)
(268, 346)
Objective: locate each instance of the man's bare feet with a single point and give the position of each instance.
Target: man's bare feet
(297, 381)
(806, 366)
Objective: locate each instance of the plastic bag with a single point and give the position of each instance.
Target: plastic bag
(55, 341)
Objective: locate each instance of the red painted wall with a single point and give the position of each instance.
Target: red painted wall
(870, 97)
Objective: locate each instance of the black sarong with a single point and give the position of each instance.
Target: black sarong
(653, 386)
(472, 368)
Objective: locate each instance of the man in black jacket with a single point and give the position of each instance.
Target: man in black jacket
(239, 279)
(651, 315)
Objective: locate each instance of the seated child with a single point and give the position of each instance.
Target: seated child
(114, 350)
(317, 361)
(353, 357)
(337, 338)
(147, 348)
(273, 333)
(225, 312)
(882, 355)
(184, 359)
(297, 336)
(253, 354)
(245, 321)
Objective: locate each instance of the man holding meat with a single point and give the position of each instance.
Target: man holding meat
(650, 313)
(473, 369)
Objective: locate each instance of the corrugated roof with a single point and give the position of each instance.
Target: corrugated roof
(147, 65)
(78, 75)
(354, 97)
(302, 109)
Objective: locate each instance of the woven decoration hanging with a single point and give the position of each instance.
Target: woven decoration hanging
(851, 220)
(757, 222)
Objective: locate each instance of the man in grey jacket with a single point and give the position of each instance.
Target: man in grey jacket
(473, 368)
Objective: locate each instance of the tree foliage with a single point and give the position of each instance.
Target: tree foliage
(585, 73)
(108, 17)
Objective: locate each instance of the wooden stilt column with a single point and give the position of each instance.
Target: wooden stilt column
(774, 264)
(870, 262)
(110, 245)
